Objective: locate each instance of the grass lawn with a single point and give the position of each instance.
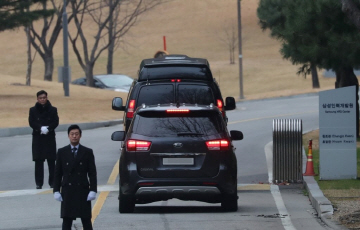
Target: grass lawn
(333, 188)
(336, 184)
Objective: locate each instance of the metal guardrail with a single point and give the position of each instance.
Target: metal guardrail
(287, 150)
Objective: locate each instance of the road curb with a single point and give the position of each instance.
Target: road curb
(321, 204)
(9, 132)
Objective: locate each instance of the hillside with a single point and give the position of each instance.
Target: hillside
(191, 27)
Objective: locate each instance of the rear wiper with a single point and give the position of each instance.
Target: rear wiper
(189, 133)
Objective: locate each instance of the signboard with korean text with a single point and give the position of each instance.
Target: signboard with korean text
(337, 135)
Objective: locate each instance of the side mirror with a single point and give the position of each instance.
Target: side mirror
(117, 104)
(118, 136)
(230, 103)
(236, 135)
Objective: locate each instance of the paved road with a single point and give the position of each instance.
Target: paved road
(261, 206)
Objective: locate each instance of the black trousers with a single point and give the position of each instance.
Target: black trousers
(86, 222)
(39, 172)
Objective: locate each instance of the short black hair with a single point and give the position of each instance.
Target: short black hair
(41, 92)
(71, 127)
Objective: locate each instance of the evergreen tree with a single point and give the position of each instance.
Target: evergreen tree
(315, 33)
(13, 13)
(281, 17)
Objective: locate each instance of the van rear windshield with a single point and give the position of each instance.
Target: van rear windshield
(156, 94)
(195, 94)
(161, 126)
(176, 72)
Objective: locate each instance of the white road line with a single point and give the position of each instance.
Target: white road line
(285, 217)
(109, 188)
(275, 192)
(26, 192)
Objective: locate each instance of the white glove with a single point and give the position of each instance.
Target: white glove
(44, 130)
(57, 196)
(91, 196)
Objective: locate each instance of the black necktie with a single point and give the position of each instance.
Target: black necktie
(74, 151)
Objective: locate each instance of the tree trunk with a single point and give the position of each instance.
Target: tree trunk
(110, 60)
(345, 76)
(111, 42)
(49, 66)
(29, 59)
(230, 56)
(89, 72)
(315, 77)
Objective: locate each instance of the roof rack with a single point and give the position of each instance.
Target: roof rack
(175, 66)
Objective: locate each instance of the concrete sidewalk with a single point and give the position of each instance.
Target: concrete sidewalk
(321, 204)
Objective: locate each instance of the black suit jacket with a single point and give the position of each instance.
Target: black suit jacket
(43, 146)
(74, 178)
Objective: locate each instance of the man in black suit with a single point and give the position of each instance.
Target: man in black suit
(43, 119)
(75, 181)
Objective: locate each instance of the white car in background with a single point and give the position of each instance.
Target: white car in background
(116, 82)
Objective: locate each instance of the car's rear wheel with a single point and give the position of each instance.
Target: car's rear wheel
(126, 203)
(229, 203)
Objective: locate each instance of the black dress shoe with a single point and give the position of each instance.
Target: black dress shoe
(38, 187)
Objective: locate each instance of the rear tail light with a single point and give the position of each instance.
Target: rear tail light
(175, 80)
(177, 110)
(137, 145)
(131, 109)
(210, 183)
(146, 184)
(218, 145)
(220, 105)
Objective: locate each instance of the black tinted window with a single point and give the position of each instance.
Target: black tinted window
(176, 126)
(156, 94)
(195, 94)
(178, 72)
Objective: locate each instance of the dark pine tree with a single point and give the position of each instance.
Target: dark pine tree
(315, 33)
(13, 13)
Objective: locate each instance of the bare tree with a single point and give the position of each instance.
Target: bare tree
(29, 59)
(87, 60)
(230, 38)
(124, 16)
(113, 19)
(52, 26)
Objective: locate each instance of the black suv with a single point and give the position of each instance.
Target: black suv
(177, 151)
(173, 79)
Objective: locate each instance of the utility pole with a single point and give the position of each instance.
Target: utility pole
(65, 71)
(240, 51)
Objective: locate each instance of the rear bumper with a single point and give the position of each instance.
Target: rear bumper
(177, 190)
(209, 189)
(201, 193)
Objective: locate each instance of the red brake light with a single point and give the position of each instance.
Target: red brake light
(131, 109)
(220, 105)
(217, 145)
(137, 145)
(175, 80)
(146, 184)
(177, 111)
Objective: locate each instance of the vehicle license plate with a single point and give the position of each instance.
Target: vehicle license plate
(178, 161)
